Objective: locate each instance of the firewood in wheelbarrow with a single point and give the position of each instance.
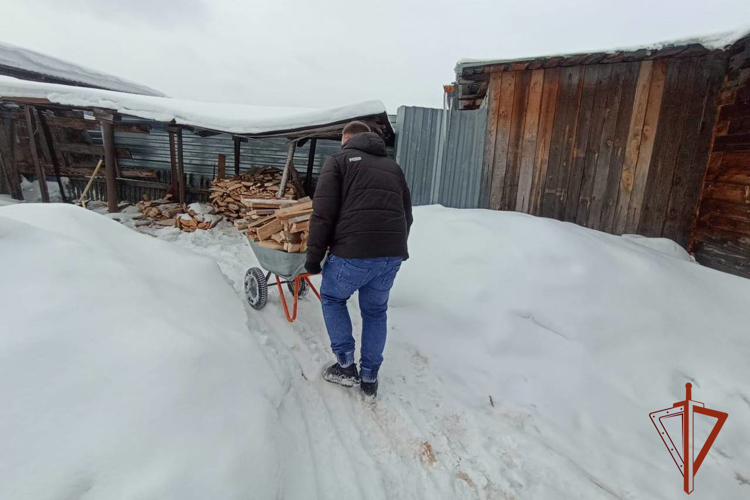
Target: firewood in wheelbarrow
(273, 227)
(271, 244)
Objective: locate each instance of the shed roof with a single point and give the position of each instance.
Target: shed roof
(472, 75)
(31, 65)
(204, 118)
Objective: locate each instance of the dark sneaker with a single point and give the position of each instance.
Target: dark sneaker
(336, 374)
(369, 389)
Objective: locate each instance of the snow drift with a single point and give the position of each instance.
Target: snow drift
(126, 370)
(524, 357)
(578, 335)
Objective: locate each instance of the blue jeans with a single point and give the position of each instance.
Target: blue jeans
(374, 279)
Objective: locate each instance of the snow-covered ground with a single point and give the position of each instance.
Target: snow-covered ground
(523, 360)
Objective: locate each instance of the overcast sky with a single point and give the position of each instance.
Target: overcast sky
(308, 53)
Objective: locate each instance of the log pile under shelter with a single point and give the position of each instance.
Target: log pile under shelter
(285, 228)
(233, 198)
(165, 212)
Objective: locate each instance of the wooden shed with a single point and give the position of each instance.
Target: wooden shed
(52, 130)
(620, 141)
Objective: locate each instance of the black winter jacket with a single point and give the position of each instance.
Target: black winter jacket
(362, 205)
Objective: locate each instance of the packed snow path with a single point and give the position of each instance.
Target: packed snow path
(523, 359)
(413, 442)
(427, 438)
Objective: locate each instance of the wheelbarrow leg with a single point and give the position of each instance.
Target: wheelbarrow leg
(306, 277)
(293, 316)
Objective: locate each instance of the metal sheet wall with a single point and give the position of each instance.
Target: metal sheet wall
(441, 154)
(151, 151)
(201, 153)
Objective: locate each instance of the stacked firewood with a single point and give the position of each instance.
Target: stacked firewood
(165, 212)
(162, 211)
(198, 216)
(285, 228)
(230, 196)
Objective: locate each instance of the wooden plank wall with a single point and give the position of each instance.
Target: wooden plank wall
(618, 147)
(721, 236)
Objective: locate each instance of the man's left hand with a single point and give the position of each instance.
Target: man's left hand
(312, 268)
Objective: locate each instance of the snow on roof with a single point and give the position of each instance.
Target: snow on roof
(220, 117)
(715, 41)
(35, 62)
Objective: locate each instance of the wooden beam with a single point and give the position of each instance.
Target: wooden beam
(294, 176)
(109, 164)
(52, 153)
(83, 124)
(5, 177)
(117, 163)
(181, 166)
(288, 165)
(81, 171)
(90, 149)
(310, 164)
(221, 169)
(82, 200)
(11, 165)
(173, 161)
(237, 152)
(41, 177)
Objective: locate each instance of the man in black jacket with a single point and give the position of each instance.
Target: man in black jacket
(362, 216)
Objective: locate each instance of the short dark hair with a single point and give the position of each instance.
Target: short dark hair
(355, 127)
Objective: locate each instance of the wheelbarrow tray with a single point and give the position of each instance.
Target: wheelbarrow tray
(285, 265)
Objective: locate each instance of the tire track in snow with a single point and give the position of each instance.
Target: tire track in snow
(341, 446)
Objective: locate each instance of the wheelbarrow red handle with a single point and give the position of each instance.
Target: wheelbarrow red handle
(297, 281)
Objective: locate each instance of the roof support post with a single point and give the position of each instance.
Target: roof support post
(310, 163)
(237, 153)
(173, 161)
(181, 165)
(52, 153)
(222, 167)
(41, 177)
(287, 168)
(106, 121)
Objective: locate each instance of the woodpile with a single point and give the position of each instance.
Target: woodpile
(162, 211)
(233, 197)
(198, 216)
(284, 225)
(165, 212)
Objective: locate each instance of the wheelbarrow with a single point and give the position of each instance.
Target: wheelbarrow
(287, 268)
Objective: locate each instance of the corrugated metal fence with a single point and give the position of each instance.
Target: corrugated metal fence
(441, 153)
(151, 152)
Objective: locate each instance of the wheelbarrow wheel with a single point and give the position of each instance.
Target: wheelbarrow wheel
(303, 288)
(256, 288)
